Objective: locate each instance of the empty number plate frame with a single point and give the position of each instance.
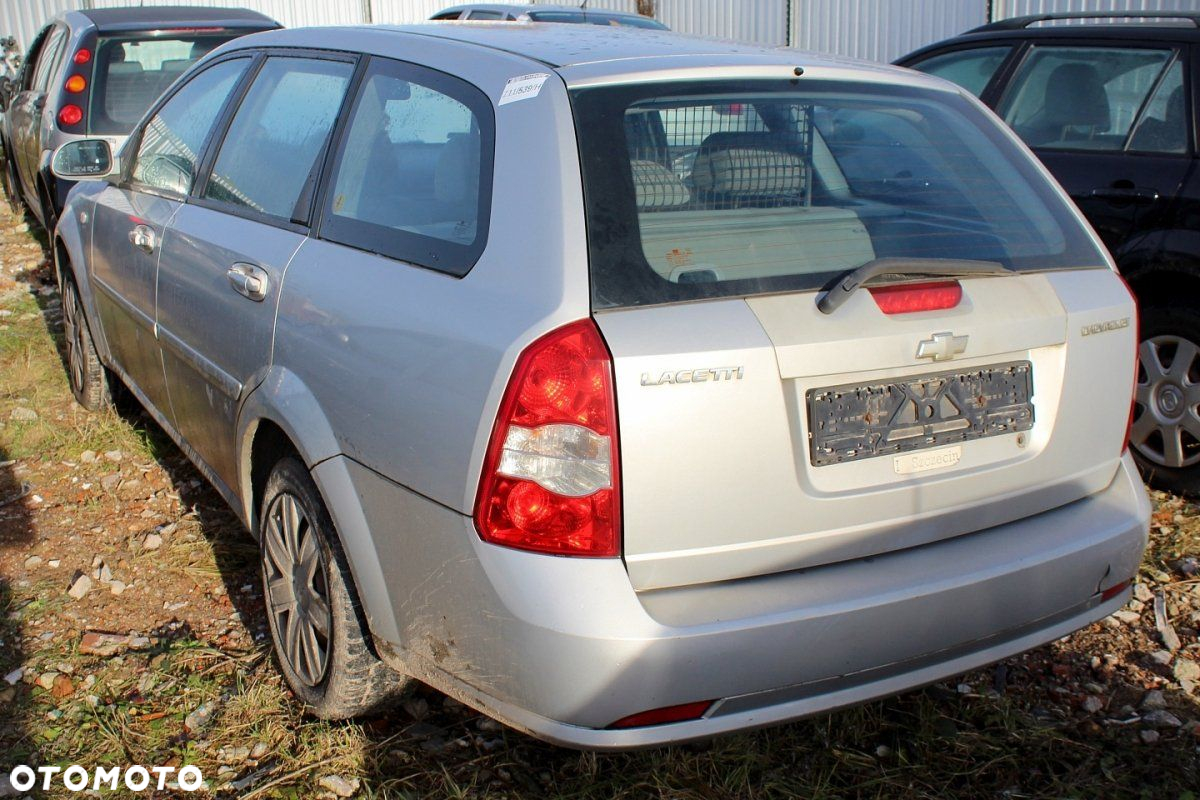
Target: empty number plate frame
(857, 421)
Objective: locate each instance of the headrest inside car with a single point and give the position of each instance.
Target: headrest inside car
(657, 187)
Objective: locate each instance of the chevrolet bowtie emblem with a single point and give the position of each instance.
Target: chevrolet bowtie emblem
(941, 346)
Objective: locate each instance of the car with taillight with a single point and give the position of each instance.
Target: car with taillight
(93, 73)
(603, 381)
(1107, 101)
(546, 12)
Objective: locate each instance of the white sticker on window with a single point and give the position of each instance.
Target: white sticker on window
(522, 87)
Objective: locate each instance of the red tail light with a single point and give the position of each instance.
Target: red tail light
(70, 114)
(76, 84)
(1137, 340)
(550, 482)
(662, 716)
(910, 297)
(82, 56)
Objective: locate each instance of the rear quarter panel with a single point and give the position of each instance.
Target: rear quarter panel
(404, 365)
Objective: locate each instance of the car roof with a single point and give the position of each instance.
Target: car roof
(1160, 26)
(521, 8)
(138, 18)
(612, 50)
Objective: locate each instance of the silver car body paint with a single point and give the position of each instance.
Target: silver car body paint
(749, 577)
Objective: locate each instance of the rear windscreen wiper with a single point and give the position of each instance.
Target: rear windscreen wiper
(848, 283)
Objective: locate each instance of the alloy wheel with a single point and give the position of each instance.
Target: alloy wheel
(295, 573)
(1166, 426)
(73, 333)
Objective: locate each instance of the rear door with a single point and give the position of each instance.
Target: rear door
(129, 220)
(1110, 121)
(226, 250)
(26, 111)
(759, 434)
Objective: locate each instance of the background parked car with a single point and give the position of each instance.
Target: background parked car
(1109, 107)
(541, 12)
(94, 73)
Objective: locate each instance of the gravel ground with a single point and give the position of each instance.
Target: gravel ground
(131, 631)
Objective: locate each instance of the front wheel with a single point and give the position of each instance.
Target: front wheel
(1165, 438)
(316, 623)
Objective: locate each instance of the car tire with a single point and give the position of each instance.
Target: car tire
(90, 380)
(1165, 437)
(317, 625)
(12, 187)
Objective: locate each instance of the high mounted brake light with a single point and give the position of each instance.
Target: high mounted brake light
(907, 298)
(550, 480)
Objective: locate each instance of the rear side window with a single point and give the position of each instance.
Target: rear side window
(48, 58)
(413, 177)
(728, 189)
(1081, 98)
(129, 74)
(970, 69)
(172, 140)
(270, 151)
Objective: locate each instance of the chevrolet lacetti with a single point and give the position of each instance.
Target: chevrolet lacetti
(628, 387)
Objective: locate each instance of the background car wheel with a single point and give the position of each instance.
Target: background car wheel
(89, 378)
(12, 190)
(1165, 438)
(316, 621)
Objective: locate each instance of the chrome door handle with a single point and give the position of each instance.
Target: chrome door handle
(142, 237)
(249, 281)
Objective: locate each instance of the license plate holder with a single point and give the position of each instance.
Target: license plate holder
(857, 421)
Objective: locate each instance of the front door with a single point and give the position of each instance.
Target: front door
(1111, 123)
(226, 251)
(130, 220)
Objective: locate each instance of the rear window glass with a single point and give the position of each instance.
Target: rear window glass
(731, 189)
(131, 72)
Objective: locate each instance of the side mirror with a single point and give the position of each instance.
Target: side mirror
(85, 159)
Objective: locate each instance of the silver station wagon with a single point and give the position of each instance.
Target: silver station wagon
(628, 387)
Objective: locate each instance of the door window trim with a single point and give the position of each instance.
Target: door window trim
(1174, 48)
(134, 143)
(225, 121)
(480, 105)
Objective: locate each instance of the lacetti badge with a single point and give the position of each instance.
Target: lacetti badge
(926, 460)
(711, 374)
(1104, 327)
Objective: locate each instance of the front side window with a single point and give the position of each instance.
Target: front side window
(130, 72)
(281, 127)
(739, 188)
(970, 69)
(1081, 98)
(172, 140)
(413, 179)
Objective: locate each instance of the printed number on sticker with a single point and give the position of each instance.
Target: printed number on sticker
(523, 87)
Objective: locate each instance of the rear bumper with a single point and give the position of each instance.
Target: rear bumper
(563, 647)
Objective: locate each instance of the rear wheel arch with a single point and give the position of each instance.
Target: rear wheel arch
(281, 417)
